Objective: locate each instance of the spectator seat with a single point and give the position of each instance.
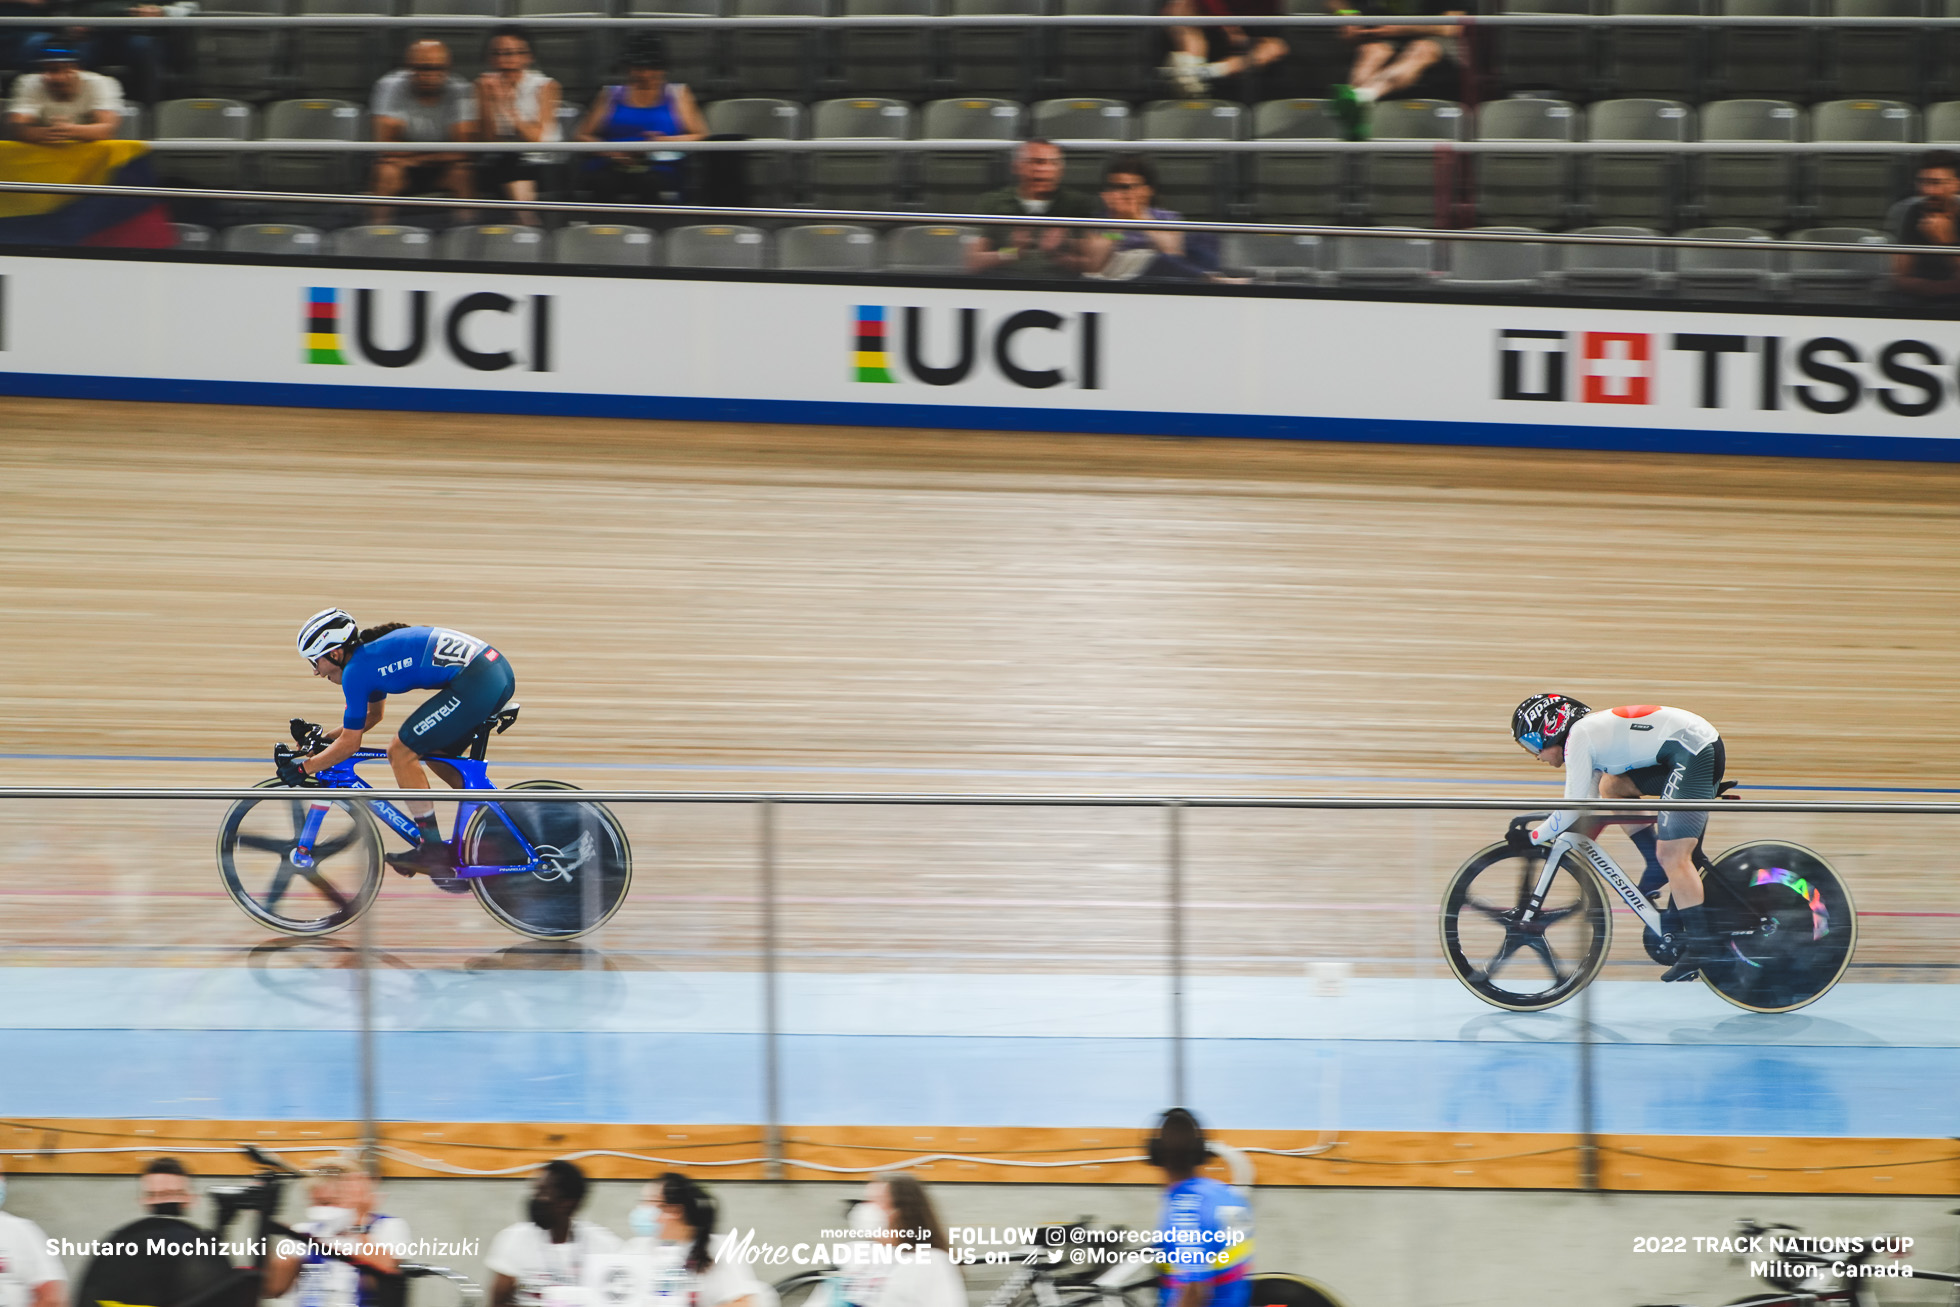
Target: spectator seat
(1777, 63)
(1858, 188)
(209, 119)
(1196, 185)
(1083, 118)
(271, 238)
(1500, 267)
(494, 243)
(1119, 62)
(1816, 277)
(1748, 190)
(344, 62)
(1271, 256)
(311, 120)
(771, 179)
(827, 247)
(1943, 122)
(239, 61)
(1555, 59)
(1727, 274)
(868, 179)
(608, 244)
(576, 58)
(778, 61)
(951, 181)
(1404, 188)
(1531, 190)
(996, 62)
(193, 236)
(716, 246)
(381, 241)
(1877, 62)
(1620, 270)
(1382, 262)
(928, 249)
(886, 61)
(1642, 190)
(1303, 187)
(1666, 62)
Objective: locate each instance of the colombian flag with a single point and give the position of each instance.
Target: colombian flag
(125, 220)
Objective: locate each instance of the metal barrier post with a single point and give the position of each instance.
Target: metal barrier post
(1174, 812)
(370, 1132)
(772, 1107)
(1588, 1139)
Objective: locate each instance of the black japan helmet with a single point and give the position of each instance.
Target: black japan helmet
(1544, 720)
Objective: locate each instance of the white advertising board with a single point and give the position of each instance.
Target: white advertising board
(981, 357)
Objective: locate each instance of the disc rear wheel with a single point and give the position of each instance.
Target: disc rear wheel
(1525, 966)
(1790, 923)
(583, 871)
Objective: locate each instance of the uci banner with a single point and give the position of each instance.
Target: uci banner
(1252, 361)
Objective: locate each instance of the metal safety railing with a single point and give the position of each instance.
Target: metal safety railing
(732, 214)
(682, 21)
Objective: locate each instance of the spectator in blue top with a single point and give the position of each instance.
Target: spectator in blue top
(1204, 1228)
(472, 683)
(1129, 187)
(647, 107)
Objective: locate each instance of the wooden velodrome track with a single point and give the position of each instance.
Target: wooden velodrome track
(690, 606)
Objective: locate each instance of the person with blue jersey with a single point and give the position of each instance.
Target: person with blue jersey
(472, 682)
(1204, 1229)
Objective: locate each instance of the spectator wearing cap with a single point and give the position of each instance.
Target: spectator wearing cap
(161, 1276)
(1932, 217)
(423, 103)
(646, 107)
(1037, 192)
(514, 102)
(137, 51)
(28, 1275)
(64, 103)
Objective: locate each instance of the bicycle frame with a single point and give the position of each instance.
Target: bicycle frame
(1604, 867)
(475, 776)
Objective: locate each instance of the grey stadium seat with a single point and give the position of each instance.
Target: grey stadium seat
(271, 238)
(950, 181)
(694, 55)
(992, 61)
(239, 61)
(576, 58)
(1663, 62)
(1637, 189)
(1303, 187)
(1195, 185)
(827, 247)
(1633, 270)
(381, 241)
(772, 178)
(311, 120)
(1777, 63)
(203, 120)
(1858, 188)
(1727, 274)
(608, 244)
(892, 61)
(134, 125)
(777, 62)
(1820, 278)
(494, 243)
(1943, 122)
(193, 236)
(715, 245)
(1082, 118)
(1382, 263)
(1272, 256)
(340, 61)
(1106, 61)
(925, 249)
(868, 179)
(1748, 190)
(1506, 267)
(1401, 188)
(1531, 190)
(1556, 59)
(1877, 61)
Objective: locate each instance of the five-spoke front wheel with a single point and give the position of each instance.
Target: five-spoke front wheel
(1512, 957)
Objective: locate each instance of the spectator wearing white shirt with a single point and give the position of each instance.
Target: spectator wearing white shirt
(551, 1247)
(62, 103)
(29, 1277)
(927, 1278)
(675, 1225)
(342, 1219)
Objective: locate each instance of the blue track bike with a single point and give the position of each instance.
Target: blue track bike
(304, 863)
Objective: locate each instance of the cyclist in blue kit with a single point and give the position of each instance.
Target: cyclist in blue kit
(1204, 1228)
(472, 682)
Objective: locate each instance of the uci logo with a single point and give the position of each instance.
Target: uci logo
(519, 336)
(1031, 348)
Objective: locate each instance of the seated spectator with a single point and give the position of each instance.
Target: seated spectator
(514, 102)
(647, 107)
(675, 1224)
(928, 1278)
(136, 50)
(164, 1193)
(1037, 191)
(1191, 68)
(1930, 218)
(62, 103)
(423, 102)
(343, 1212)
(1391, 59)
(551, 1245)
(1129, 186)
(29, 1276)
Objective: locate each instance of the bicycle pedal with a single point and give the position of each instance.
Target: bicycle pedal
(451, 884)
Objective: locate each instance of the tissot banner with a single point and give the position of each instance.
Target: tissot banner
(979, 356)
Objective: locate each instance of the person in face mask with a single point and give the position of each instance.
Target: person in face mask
(675, 1225)
(358, 1263)
(28, 1276)
(164, 1193)
(552, 1246)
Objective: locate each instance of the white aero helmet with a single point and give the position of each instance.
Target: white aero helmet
(327, 629)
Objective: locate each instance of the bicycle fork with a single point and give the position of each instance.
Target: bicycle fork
(302, 854)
